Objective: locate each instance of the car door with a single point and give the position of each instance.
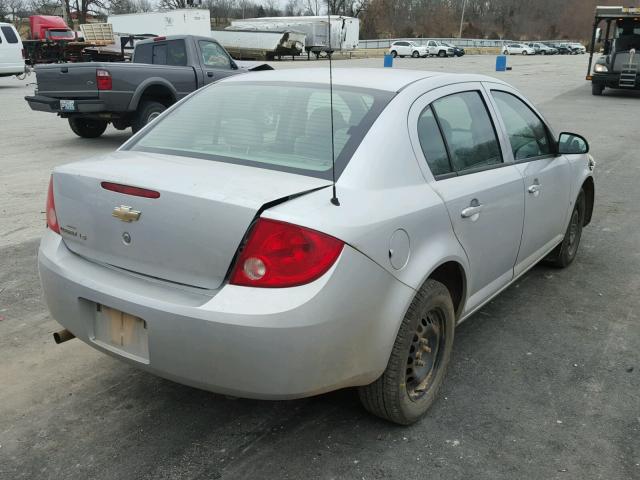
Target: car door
(433, 48)
(216, 63)
(547, 176)
(483, 193)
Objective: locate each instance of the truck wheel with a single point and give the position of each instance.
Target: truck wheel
(147, 112)
(87, 127)
(597, 88)
(418, 360)
(442, 53)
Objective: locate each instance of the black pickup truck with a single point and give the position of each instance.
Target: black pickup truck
(163, 70)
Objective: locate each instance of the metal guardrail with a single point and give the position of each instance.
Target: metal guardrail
(459, 42)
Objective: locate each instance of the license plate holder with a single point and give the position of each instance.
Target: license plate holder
(68, 105)
(121, 333)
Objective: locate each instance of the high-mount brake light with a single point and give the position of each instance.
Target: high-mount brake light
(129, 190)
(159, 39)
(279, 254)
(52, 217)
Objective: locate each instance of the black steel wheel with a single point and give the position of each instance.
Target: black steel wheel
(418, 360)
(87, 127)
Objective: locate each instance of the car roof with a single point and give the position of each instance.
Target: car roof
(388, 79)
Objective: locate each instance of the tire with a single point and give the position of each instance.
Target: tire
(394, 54)
(524, 52)
(397, 396)
(506, 52)
(597, 89)
(415, 54)
(543, 52)
(147, 111)
(87, 127)
(565, 253)
(442, 54)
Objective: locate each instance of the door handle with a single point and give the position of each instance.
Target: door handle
(534, 189)
(209, 74)
(471, 211)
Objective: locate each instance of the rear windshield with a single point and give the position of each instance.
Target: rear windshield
(277, 126)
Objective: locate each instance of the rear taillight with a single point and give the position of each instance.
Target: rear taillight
(279, 254)
(103, 80)
(52, 218)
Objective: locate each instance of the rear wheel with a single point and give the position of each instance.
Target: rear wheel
(147, 111)
(418, 360)
(87, 127)
(565, 253)
(597, 88)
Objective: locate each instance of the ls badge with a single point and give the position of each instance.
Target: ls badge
(126, 214)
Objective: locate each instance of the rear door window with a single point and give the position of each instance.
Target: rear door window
(9, 34)
(432, 144)
(468, 131)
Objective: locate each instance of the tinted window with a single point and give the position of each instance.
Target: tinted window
(160, 54)
(432, 144)
(142, 53)
(468, 131)
(9, 34)
(527, 133)
(213, 55)
(176, 53)
(276, 126)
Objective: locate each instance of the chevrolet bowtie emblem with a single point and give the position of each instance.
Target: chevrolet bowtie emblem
(126, 214)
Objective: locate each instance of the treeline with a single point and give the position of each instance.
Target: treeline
(495, 19)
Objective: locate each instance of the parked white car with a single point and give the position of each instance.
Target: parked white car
(440, 49)
(518, 49)
(407, 49)
(577, 48)
(11, 58)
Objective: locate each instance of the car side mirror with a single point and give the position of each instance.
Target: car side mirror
(572, 144)
(234, 65)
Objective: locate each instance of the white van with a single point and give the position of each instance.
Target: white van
(11, 59)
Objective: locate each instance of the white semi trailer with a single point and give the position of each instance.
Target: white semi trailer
(345, 31)
(188, 21)
(258, 45)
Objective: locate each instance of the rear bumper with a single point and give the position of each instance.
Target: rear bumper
(42, 103)
(259, 343)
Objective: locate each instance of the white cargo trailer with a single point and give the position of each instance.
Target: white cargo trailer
(255, 44)
(189, 21)
(345, 31)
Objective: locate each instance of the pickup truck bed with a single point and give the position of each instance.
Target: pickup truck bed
(164, 70)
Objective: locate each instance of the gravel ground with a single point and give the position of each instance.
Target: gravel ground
(544, 381)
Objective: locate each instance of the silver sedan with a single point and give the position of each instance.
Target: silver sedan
(212, 248)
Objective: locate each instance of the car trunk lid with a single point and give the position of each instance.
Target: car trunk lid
(189, 234)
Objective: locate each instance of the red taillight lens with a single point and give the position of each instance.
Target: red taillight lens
(279, 254)
(129, 190)
(52, 218)
(103, 80)
(24, 54)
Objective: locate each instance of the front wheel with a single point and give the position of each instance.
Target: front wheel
(442, 54)
(418, 361)
(415, 54)
(565, 253)
(87, 127)
(597, 89)
(524, 52)
(394, 54)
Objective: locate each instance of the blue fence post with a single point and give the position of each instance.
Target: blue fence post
(388, 60)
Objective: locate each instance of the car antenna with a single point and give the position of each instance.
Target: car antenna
(334, 198)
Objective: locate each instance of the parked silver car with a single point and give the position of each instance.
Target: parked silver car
(209, 248)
